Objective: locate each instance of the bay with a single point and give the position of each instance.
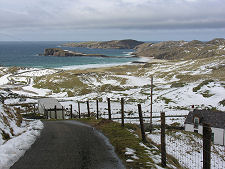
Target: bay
(26, 54)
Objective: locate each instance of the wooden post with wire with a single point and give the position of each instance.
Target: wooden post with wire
(34, 109)
(88, 109)
(141, 123)
(46, 113)
(122, 112)
(207, 132)
(151, 105)
(71, 110)
(62, 112)
(109, 108)
(78, 109)
(163, 140)
(55, 112)
(97, 109)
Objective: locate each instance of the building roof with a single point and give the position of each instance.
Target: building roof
(213, 117)
(49, 103)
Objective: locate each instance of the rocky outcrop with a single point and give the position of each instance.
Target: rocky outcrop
(67, 53)
(181, 49)
(114, 44)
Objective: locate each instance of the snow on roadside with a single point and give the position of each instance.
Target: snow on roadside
(16, 135)
(14, 148)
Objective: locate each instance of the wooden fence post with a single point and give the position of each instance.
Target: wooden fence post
(97, 108)
(34, 109)
(55, 112)
(62, 112)
(163, 143)
(46, 113)
(122, 112)
(109, 108)
(88, 109)
(3, 100)
(207, 132)
(151, 105)
(78, 109)
(141, 123)
(71, 110)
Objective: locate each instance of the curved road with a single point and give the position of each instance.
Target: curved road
(69, 144)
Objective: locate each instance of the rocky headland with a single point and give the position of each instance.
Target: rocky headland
(170, 50)
(113, 44)
(67, 53)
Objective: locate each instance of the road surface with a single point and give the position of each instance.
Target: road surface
(69, 145)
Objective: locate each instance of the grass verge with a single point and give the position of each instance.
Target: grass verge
(122, 138)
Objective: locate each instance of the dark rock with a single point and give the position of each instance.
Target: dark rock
(67, 53)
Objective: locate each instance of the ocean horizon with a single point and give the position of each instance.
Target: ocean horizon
(27, 54)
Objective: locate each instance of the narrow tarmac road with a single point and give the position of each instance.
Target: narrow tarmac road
(69, 144)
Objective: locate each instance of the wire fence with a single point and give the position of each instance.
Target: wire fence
(130, 111)
(188, 149)
(185, 147)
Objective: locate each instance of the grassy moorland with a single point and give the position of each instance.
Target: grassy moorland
(178, 84)
(122, 80)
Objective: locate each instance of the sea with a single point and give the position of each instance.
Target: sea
(27, 54)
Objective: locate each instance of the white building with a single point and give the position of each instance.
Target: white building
(216, 119)
(50, 108)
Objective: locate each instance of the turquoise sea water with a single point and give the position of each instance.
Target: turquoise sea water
(25, 54)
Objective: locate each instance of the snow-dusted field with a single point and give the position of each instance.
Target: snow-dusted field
(134, 86)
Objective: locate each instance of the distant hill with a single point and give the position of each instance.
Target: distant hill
(114, 44)
(181, 49)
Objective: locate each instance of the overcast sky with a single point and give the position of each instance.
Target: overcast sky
(78, 20)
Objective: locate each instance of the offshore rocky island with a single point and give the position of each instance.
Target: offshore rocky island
(67, 53)
(114, 44)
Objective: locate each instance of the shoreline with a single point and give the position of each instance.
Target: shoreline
(140, 60)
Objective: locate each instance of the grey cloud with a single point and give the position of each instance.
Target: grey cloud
(70, 15)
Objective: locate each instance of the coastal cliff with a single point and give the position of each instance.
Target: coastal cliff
(67, 53)
(181, 49)
(114, 44)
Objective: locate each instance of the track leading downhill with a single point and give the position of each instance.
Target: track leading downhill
(69, 144)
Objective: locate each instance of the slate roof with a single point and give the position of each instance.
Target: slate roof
(213, 117)
(49, 103)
